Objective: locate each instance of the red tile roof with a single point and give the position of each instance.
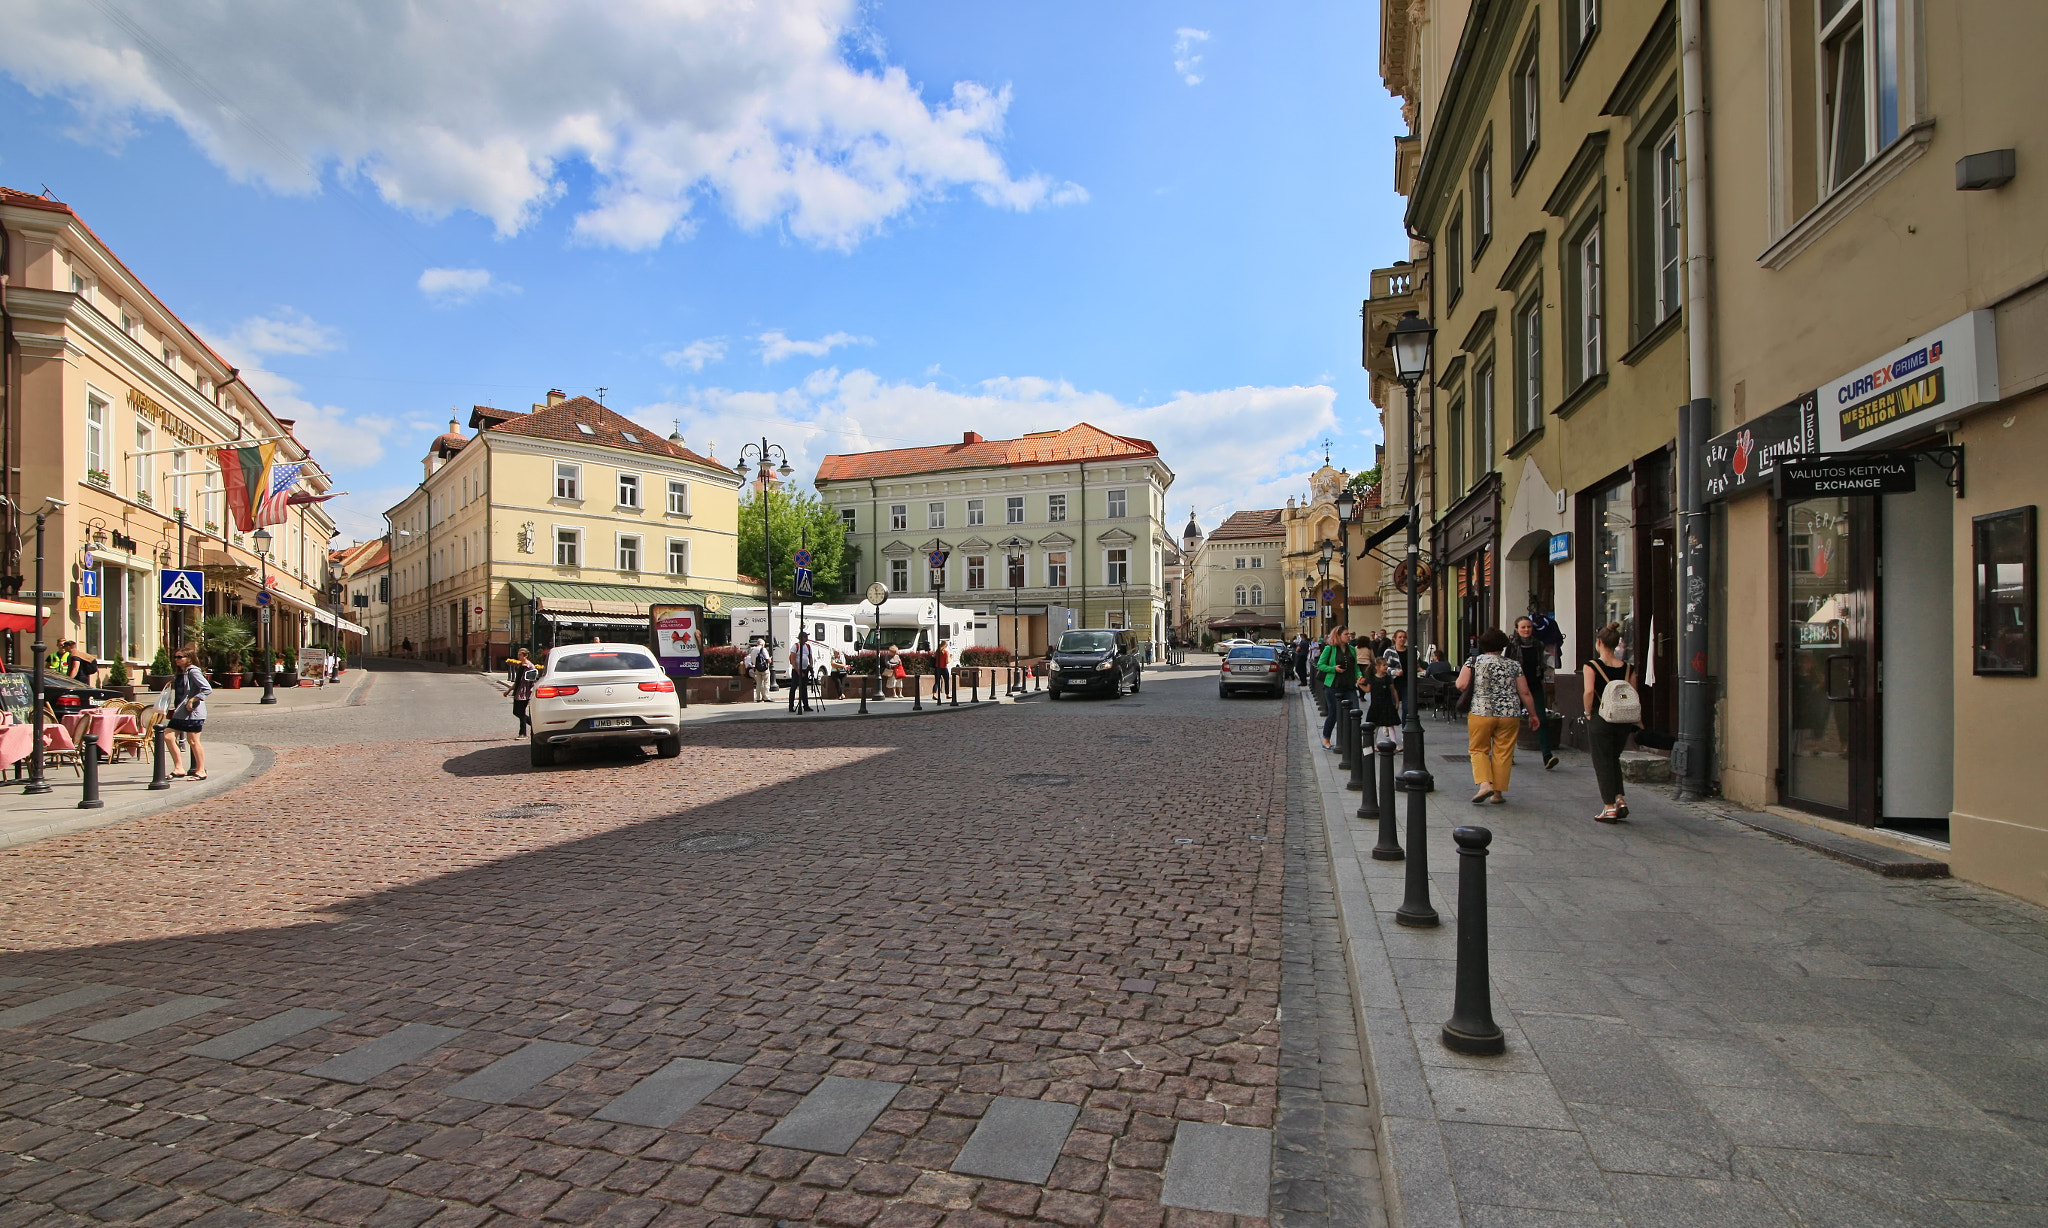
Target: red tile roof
(606, 427)
(1076, 443)
(1244, 526)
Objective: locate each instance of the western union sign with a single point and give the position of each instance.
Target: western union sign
(1896, 402)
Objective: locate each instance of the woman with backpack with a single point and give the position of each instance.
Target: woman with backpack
(1613, 712)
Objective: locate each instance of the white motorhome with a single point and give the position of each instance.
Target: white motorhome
(830, 625)
(915, 624)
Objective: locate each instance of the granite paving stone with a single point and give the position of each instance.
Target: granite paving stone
(243, 1041)
(150, 1018)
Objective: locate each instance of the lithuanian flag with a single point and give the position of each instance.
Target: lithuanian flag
(245, 473)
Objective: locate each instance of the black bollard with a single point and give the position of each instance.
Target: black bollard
(1361, 748)
(89, 760)
(1369, 802)
(953, 685)
(1346, 742)
(864, 694)
(916, 692)
(1415, 908)
(159, 778)
(1472, 1029)
(1389, 846)
(974, 686)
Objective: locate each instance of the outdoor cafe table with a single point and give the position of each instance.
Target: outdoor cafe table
(16, 740)
(105, 724)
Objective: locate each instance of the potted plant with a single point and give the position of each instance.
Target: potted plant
(159, 669)
(99, 477)
(225, 640)
(117, 680)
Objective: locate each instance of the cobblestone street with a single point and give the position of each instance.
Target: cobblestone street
(1010, 965)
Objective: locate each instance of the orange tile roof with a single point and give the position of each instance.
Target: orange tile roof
(1250, 525)
(1076, 443)
(606, 427)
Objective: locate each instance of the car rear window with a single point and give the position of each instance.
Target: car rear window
(602, 662)
(1252, 650)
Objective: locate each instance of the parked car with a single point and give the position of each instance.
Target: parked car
(1095, 659)
(1252, 667)
(604, 694)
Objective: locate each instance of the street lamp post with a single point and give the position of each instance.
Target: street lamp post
(1411, 341)
(1304, 608)
(261, 539)
(761, 454)
(1323, 558)
(1347, 503)
(1013, 561)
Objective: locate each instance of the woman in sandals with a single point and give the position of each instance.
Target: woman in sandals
(1500, 695)
(188, 711)
(1606, 739)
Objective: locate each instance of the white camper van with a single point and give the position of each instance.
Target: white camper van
(832, 626)
(915, 624)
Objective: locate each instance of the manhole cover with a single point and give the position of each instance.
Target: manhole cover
(717, 842)
(526, 811)
(1039, 780)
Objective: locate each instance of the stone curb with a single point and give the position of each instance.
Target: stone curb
(260, 760)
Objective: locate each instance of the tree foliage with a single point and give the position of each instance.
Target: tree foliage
(794, 519)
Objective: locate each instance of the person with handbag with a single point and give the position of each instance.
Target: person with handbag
(942, 670)
(1495, 695)
(893, 672)
(1614, 710)
(1339, 669)
(187, 712)
(758, 664)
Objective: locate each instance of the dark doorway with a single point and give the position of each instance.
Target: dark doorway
(1829, 648)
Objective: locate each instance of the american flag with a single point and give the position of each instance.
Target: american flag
(270, 510)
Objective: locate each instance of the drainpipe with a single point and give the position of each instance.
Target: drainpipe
(10, 554)
(1081, 555)
(1689, 757)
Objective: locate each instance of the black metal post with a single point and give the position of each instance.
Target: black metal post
(89, 764)
(1471, 1028)
(916, 681)
(1415, 907)
(1689, 757)
(1389, 846)
(1415, 770)
(263, 616)
(1369, 801)
(159, 778)
(953, 685)
(36, 783)
(1345, 731)
(1360, 745)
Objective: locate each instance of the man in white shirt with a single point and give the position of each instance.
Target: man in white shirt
(757, 663)
(802, 659)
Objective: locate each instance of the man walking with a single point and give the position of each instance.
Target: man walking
(801, 660)
(758, 668)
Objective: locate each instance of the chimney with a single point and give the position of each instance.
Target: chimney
(555, 396)
(970, 437)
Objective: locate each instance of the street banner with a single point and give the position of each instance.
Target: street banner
(677, 638)
(181, 587)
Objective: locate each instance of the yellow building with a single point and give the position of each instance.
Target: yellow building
(114, 406)
(558, 526)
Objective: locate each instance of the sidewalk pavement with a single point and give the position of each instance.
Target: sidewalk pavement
(124, 787)
(1705, 1025)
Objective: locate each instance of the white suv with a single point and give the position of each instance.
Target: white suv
(597, 694)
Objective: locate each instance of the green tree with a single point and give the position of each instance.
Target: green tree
(796, 519)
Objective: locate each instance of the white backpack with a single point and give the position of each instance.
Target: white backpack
(1620, 704)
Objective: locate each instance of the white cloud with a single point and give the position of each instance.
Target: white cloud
(286, 331)
(698, 354)
(1230, 448)
(341, 439)
(452, 287)
(479, 105)
(1186, 60)
(776, 345)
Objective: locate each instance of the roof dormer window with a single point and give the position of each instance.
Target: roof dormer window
(585, 428)
(630, 437)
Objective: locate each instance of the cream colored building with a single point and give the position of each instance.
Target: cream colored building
(1237, 584)
(114, 405)
(559, 526)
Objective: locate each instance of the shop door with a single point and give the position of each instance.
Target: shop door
(1830, 744)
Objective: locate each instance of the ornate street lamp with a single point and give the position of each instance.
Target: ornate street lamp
(761, 454)
(1347, 504)
(1411, 342)
(261, 539)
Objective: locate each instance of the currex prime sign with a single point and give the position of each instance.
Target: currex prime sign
(1930, 378)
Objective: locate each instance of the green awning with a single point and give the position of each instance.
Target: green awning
(569, 597)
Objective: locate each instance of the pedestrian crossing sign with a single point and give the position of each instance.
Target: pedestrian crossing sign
(177, 586)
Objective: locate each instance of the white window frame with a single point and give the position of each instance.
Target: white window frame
(1018, 573)
(1258, 562)
(1861, 24)
(1055, 508)
(145, 466)
(1240, 596)
(629, 490)
(1482, 199)
(977, 512)
(568, 482)
(1666, 255)
(935, 514)
(1528, 326)
(97, 412)
(899, 517)
(1056, 564)
(1119, 504)
(1013, 509)
(977, 571)
(1481, 418)
(627, 550)
(678, 546)
(899, 575)
(1587, 257)
(569, 536)
(1258, 594)
(180, 484)
(678, 497)
(849, 519)
(1116, 565)
(1240, 563)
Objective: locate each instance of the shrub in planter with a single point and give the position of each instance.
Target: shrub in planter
(723, 661)
(117, 674)
(987, 658)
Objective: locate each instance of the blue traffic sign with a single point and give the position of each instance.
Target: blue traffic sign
(88, 583)
(263, 599)
(803, 583)
(177, 586)
(803, 558)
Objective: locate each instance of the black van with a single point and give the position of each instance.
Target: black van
(1096, 659)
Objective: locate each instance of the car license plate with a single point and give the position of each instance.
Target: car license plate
(611, 722)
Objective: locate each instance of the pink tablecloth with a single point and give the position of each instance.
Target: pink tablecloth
(17, 740)
(105, 725)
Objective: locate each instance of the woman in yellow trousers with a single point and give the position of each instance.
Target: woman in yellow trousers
(1500, 695)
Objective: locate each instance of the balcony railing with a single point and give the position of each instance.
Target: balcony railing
(1396, 289)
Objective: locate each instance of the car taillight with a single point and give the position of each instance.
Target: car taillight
(551, 692)
(663, 685)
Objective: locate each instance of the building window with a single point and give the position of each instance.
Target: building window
(899, 575)
(1013, 509)
(934, 515)
(1055, 507)
(1581, 23)
(1240, 563)
(1664, 251)
(1586, 291)
(1258, 560)
(977, 511)
(130, 325)
(1527, 102)
(1258, 594)
(899, 516)
(678, 498)
(568, 547)
(1016, 569)
(678, 557)
(179, 488)
(1238, 596)
(95, 438)
(1454, 445)
(568, 481)
(977, 571)
(1454, 257)
(1119, 504)
(1482, 199)
(1859, 83)
(171, 360)
(1056, 568)
(1528, 365)
(849, 518)
(145, 465)
(1614, 574)
(1482, 419)
(629, 490)
(1118, 567)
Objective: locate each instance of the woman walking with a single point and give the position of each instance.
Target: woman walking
(521, 690)
(1499, 696)
(1534, 656)
(188, 712)
(1339, 668)
(1606, 738)
(892, 672)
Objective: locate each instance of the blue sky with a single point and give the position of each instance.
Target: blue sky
(841, 226)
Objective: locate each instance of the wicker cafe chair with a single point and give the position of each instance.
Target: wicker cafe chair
(146, 718)
(53, 755)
